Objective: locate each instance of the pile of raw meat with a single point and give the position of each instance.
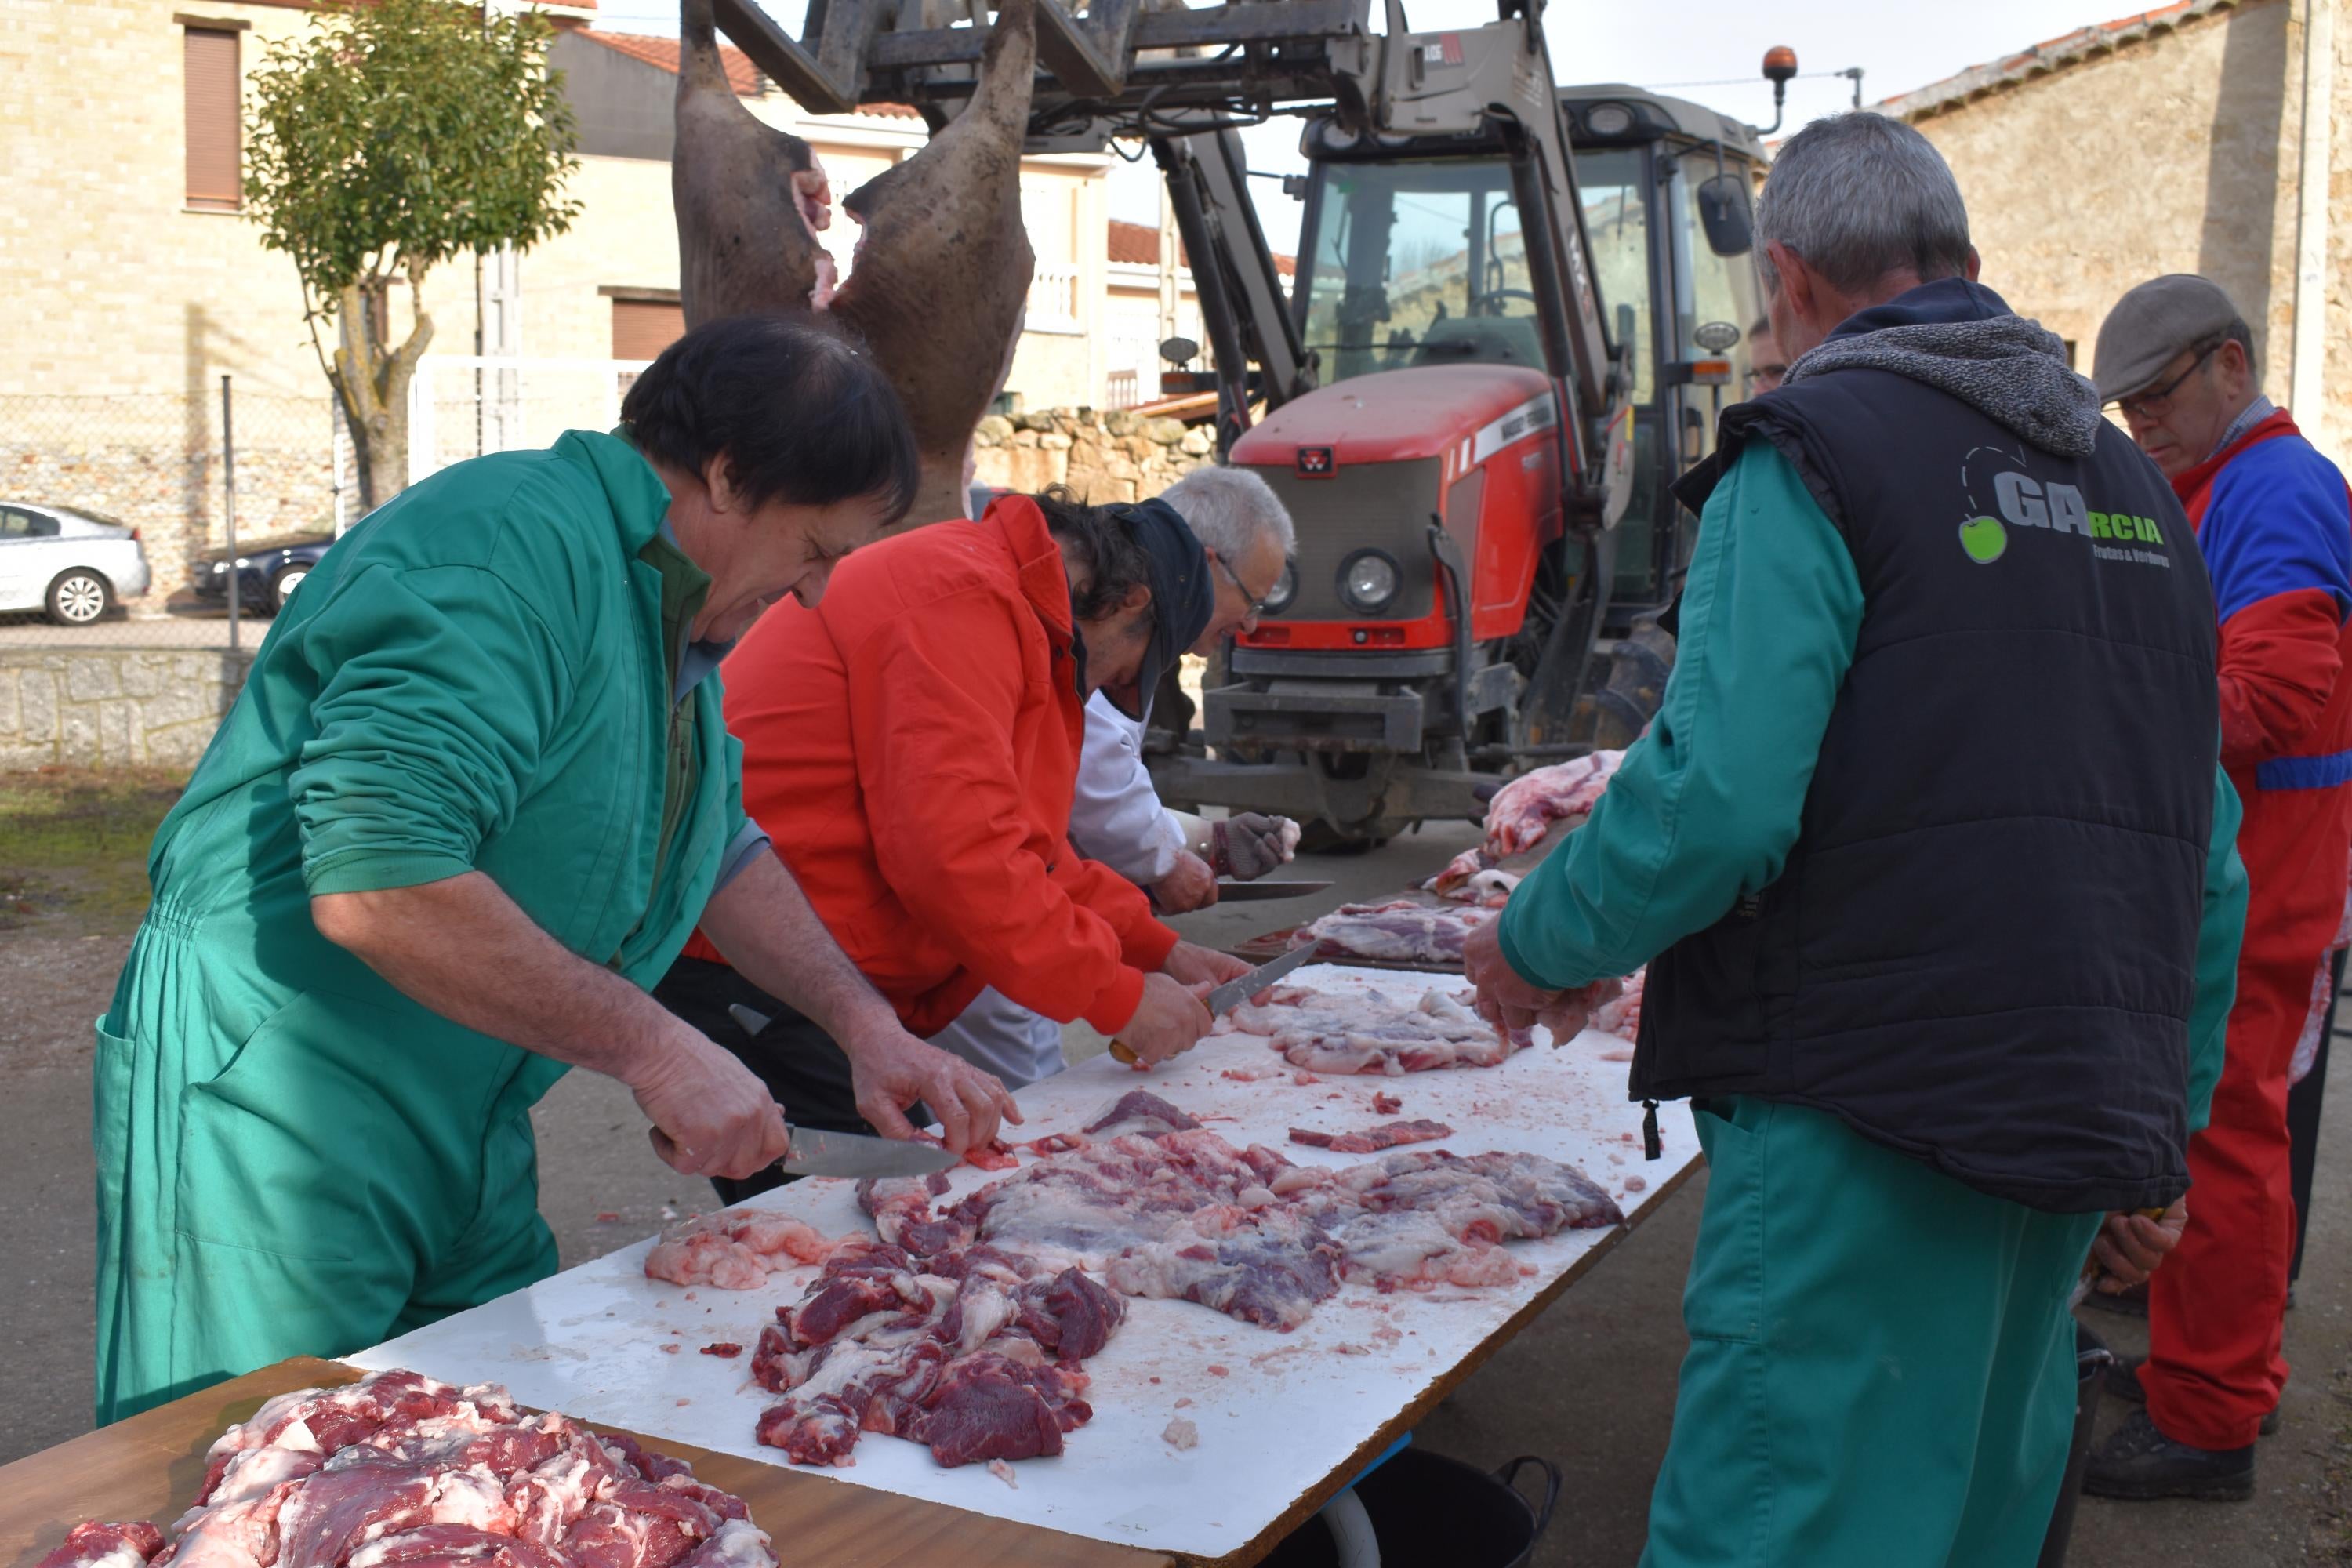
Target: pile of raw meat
(1400, 930)
(1366, 1032)
(1518, 816)
(964, 1328)
(400, 1471)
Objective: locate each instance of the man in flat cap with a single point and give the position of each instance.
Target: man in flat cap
(2274, 523)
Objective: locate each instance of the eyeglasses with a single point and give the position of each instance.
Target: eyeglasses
(2153, 403)
(1256, 605)
(1765, 378)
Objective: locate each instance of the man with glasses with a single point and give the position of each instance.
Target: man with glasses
(2273, 522)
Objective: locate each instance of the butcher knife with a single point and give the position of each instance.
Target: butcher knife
(1233, 992)
(818, 1152)
(1247, 892)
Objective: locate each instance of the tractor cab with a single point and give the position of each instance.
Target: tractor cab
(1673, 260)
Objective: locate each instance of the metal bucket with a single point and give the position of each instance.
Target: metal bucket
(1430, 1511)
(2092, 1359)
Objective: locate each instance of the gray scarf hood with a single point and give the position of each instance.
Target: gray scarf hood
(1960, 337)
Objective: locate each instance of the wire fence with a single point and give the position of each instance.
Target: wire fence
(114, 509)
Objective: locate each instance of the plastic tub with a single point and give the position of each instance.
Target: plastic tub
(1430, 1511)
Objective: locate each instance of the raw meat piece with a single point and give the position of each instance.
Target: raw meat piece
(1523, 810)
(975, 1353)
(1385, 1103)
(400, 1471)
(1139, 1110)
(1372, 1139)
(1425, 1218)
(1180, 1433)
(735, 1249)
(1401, 931)
(1004, 1472)
(97, 1545)
(725, 1350)
(1368, 1032)
(992, 1156)
(1469, 880)
(1622, 1015)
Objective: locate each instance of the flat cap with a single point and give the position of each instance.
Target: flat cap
(2152, 325)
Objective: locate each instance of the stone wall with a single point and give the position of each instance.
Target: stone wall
(1111, 454)
(109, 707)
(2179, 151)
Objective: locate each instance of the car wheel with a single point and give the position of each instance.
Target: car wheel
(282, 586)
(79, 597)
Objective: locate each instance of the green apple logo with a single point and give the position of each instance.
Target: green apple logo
(1984, 539)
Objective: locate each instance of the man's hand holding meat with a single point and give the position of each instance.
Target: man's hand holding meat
(1169, 1019)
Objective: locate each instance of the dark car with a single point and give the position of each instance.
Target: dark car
(268, 571)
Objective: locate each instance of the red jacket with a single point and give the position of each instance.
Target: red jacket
(911, 746)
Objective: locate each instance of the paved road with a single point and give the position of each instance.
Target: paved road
(1588, 1385)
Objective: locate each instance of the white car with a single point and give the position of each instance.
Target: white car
(68, 565)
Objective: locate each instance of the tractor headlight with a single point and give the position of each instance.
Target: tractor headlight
(1285, 588)
(1368, 582)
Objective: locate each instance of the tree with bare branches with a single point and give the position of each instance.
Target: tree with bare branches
(387, 138)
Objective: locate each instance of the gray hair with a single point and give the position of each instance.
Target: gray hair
(1228, 510)
(1860, 195)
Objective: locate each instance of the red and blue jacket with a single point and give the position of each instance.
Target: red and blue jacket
(2274, 521)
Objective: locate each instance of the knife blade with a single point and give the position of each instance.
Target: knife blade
(1249, 892)
(1233, 992)
(818, 1152)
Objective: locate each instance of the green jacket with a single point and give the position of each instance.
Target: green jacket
(479, 676)
(1709, 802)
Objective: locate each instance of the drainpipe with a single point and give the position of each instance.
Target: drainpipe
(2308, 387)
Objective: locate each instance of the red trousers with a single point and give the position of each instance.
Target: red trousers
(2216, 1308)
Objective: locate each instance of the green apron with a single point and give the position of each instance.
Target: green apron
(293, 1158)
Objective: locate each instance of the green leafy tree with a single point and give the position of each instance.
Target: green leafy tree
(389, 136)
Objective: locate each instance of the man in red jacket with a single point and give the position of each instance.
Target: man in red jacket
(2274, 522)
(911, 746)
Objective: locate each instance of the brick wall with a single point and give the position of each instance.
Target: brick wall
(110, 707)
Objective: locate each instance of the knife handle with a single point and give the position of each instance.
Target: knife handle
(1119, 1052)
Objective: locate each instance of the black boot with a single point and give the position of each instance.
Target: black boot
(2123, 1383)
(2139, 1462)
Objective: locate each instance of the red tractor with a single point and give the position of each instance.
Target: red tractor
(1518, 309)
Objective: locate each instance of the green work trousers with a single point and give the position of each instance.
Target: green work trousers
(285, 1172)
(1881, 1372)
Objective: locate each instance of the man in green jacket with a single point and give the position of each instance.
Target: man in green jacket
(472, 800)
(1929, 856)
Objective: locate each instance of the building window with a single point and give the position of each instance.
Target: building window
(643, 328)
(215, 137)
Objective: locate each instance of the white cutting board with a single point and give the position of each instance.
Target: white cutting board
(1286, 1412)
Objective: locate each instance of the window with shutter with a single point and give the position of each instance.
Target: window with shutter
(214, 133)
(643, 328)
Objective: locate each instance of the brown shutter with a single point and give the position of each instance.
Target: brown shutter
(215, 142)
(643, 328)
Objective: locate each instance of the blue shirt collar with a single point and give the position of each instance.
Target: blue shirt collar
(698, 661)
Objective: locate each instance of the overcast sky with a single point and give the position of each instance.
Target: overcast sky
(1710, 50)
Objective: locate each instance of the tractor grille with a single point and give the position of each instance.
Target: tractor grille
(1364, 506)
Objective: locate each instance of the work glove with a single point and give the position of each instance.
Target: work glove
(1248, 845)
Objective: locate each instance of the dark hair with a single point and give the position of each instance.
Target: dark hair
(800, 412)
(1103, 543)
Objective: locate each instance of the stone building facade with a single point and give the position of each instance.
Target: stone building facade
(2173, 140)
